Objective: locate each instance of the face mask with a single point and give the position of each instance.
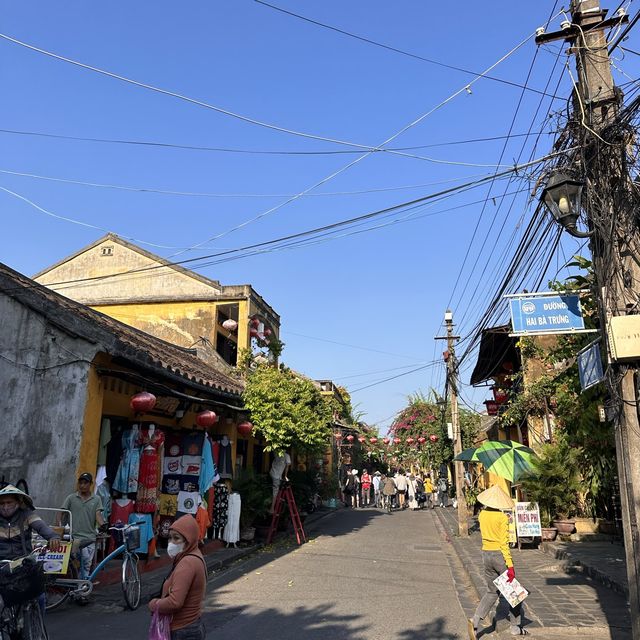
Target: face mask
(173, 549)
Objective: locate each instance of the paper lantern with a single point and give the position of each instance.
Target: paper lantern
(386, 440)
(397, 441)
(373, 440)
(410, 440)
(349, 438)
(230, 325)
(361, 439)
(492, 407)
(206, 419)
(433, 437)
(142, 402)
(245, 428)
(499, 395)
(422, 439)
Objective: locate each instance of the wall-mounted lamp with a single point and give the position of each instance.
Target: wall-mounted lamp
(563, 197)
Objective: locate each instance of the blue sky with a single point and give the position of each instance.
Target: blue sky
(357, 309)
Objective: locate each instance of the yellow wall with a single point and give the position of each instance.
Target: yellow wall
(88, 456)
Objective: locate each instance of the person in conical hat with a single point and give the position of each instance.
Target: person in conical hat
(496, 557)
(17, 520)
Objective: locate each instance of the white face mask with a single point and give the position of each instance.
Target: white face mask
(173, 548)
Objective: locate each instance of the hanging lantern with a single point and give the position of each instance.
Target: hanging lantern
(230, 325)
(337, 435)
(422, 439)
(492, 407)
(373, 440)
(361, 439)
(410, 440)
(142, 402)
(253, 332)
(386, 440)
(397, 441)
(349, 438)
(499, 395)
(433, 437)
(255, 323)
(245, 428)
(206, 419)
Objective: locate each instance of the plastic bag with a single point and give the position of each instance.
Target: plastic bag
(160, 628)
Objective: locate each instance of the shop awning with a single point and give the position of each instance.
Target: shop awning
(496, 349)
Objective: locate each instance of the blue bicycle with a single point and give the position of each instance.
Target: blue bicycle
(60, 588)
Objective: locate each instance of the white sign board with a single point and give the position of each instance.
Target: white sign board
(528, 520)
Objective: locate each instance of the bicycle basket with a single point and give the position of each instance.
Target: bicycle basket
(24, 582)
(132, 538)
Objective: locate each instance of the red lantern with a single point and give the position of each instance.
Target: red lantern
(386, 440)
(255, 323)
(492, 407)
(206, 419)
(245, 428)
(349, 438)
(373, 440)
(422, 439)
(499, 395)
(142, 402)
(253, 332)
(433, 437)
(410, 440)
(361, 439)
(397, 441)
(230, 325)
(337, 435)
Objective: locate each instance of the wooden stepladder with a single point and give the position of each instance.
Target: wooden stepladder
(286, 494)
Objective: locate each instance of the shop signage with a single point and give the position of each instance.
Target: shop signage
(546, 313)
(56, 562)
(590, 366)
(166, 405)
(528, 520)
(513, 536)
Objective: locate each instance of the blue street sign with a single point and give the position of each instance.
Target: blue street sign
(546, 314)
(590, 366)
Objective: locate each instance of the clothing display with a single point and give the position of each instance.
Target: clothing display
(188, 501)
(173, 445)
(192, 444)
(104, 493)
(220, 505)
(105, 438)
(127, 477)
(208, 471)
(231, 533)
(167, 505)
(114, 454)
(164, 525)
(172, 465)
(225, 466)
(203, 520)
(121, 509)
(147, 499)
(171, 485)
(189, 483)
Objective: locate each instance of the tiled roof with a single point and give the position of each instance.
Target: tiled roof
(117, 338)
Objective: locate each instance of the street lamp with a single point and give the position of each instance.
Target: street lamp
(563, 197)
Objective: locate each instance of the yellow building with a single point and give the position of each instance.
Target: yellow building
(166, 300)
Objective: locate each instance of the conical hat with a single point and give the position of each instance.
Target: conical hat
(496, 498)
(10, 490)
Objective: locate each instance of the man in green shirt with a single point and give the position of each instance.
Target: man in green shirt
(86, 516)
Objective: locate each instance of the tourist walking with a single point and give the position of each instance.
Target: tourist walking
(401, 486)
(443, 489)
(496, 557)
(389, 492)
(377, 489)
(365, 492)
(411, 493)
(350, 489)
(428, 490)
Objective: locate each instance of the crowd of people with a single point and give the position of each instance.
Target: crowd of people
(396, 490)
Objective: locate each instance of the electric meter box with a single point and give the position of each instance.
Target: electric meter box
(624, 338)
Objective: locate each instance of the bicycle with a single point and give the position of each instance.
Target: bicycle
(21, 617)
(60, 588)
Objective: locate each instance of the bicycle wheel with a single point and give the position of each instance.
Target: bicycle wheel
(55, 595)
(131, 581)
(33, 622)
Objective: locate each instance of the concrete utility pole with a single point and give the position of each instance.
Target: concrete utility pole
(616, 256)
(452, 376)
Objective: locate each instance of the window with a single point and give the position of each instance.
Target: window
(107, 250)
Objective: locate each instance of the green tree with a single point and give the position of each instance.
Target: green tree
(287, 410)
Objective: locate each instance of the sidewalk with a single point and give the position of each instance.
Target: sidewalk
(559, 602)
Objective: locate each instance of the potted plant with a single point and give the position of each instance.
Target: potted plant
(255, 493)
(555, 485)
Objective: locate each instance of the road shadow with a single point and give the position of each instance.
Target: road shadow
(434, 630)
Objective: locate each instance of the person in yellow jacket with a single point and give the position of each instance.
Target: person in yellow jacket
(496, 557)
(428, 489)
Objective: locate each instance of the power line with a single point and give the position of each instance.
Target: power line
(396, 50)
(400, 375)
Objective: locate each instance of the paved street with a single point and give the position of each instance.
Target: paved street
(366, 575)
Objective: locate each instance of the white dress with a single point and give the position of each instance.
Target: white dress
(411, 490)
(231, 533)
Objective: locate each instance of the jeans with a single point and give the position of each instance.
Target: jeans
(194, 631)
(494, 565)
(84, 554)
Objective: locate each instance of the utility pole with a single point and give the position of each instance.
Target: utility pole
(452, 380)
(615, 246)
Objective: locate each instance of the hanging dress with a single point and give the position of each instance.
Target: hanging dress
(147, 498)
(220, 505)
(127, 477)
(231, 533)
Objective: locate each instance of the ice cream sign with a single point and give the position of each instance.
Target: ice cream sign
(546, 313)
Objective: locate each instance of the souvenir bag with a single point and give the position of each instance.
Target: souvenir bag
(160, 628)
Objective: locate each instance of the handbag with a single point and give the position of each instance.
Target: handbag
(160, 627)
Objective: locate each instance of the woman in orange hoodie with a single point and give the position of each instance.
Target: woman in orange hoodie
(183, 590)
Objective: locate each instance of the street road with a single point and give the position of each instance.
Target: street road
(366, 575)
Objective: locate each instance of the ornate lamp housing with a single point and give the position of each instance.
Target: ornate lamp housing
(563, 197)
